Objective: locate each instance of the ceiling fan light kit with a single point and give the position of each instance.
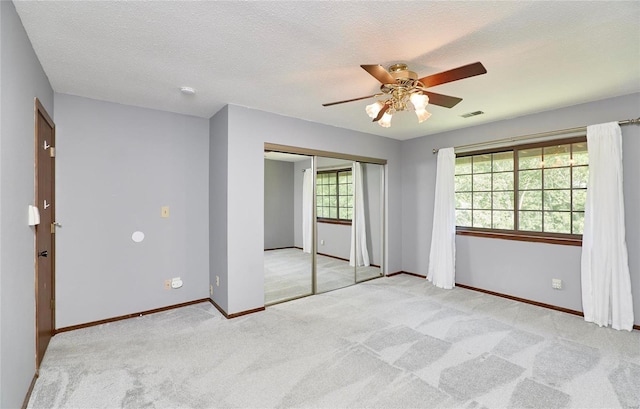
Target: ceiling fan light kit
(422, 115)
(385, 121)
(406, 91)
(373, 109)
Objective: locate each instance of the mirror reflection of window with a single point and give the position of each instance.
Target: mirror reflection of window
(334, 195)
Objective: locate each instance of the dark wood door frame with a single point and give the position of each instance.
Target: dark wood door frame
(45, 231)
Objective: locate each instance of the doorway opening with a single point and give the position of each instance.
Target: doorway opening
(45, 245)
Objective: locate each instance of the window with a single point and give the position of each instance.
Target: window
(334, 195)
(529, 190)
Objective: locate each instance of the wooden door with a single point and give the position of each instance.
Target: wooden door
(45, 231)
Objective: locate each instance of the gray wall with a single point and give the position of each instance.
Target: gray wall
(21, 79)
(337, 239)
(519, 269)
(248, 131)
(218, 187)
(117, 166)
(278, 204)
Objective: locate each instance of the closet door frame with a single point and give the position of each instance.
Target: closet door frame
(315, 153)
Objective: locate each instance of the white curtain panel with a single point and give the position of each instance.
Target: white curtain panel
(606, 285)
(359, 253)
(307, 211)
(442, 257)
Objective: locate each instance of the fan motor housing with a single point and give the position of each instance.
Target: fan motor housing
(401, 72)
(405, 79)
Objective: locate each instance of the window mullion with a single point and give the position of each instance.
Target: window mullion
(337, 195)
(492, 190)
(473, 158)
(571, 163)
(516, 191)
(542, 190)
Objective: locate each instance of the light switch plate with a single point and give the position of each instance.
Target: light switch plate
(164, 211)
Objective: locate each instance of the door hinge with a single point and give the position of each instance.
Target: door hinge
(53, 304)
(52, 151)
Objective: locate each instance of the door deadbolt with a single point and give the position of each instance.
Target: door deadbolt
(44, 253)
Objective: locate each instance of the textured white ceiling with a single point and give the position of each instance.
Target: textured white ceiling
(290, 57)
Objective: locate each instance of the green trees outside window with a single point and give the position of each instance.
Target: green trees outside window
(530, 189)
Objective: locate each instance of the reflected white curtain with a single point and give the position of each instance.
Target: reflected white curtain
(307, 211)
(606, 285)
(359, 254)
(442, 257)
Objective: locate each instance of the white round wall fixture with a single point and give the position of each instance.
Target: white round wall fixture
(137, 236)
(187, 90)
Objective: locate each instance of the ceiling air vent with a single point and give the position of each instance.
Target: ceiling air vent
(470, 114)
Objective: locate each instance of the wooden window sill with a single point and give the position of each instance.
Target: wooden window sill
(335, 221)
(522, 237)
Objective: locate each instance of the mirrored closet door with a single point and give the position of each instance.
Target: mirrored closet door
(334, 214)
(324, 222)
(288, 261)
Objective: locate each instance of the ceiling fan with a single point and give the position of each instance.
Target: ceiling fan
(402, 86)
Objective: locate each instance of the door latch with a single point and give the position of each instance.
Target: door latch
(53, 227)
(44, 253)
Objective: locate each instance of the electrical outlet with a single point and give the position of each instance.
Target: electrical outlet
(210, 289)
(167, 284)
(556, 284)
(322, 242)
(217, 281)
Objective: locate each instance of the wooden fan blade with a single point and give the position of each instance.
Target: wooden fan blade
(382, 111)
(455, 74)
(348, 100)
(442, 100)
(379, 73)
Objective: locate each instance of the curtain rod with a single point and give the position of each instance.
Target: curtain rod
(538, 135)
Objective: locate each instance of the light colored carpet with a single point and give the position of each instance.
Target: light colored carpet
(388, 343)
(287, 274)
